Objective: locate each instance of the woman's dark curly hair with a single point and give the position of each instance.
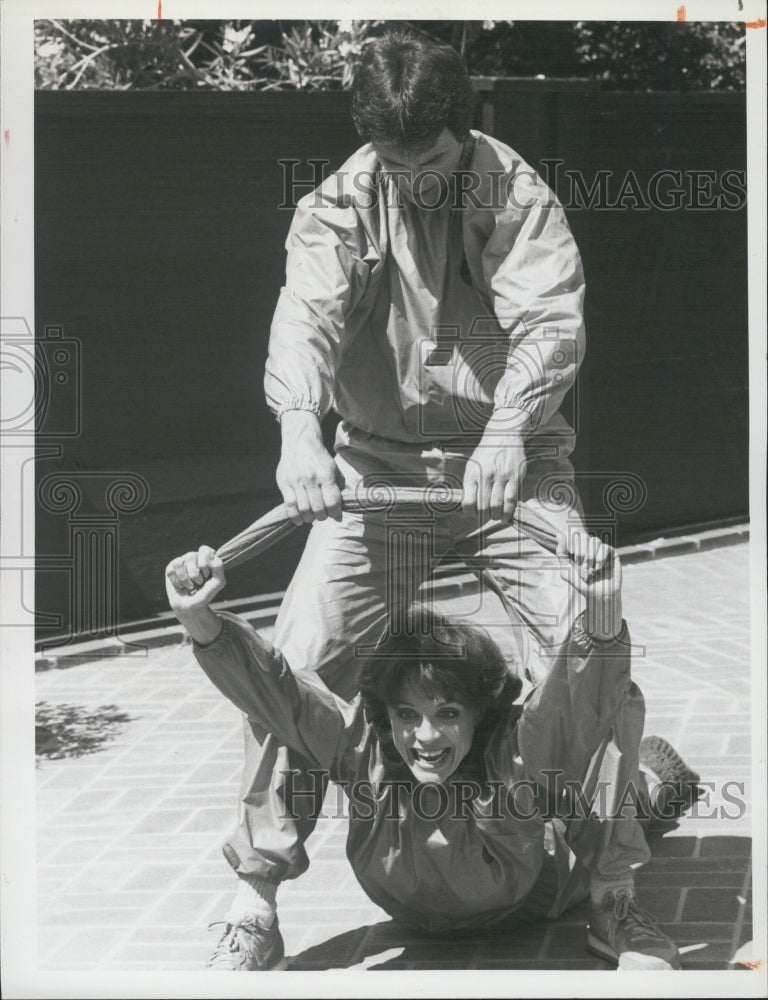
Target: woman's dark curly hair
(443, 658)
(408, 89)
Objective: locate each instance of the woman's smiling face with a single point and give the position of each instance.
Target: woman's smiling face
(432, 735)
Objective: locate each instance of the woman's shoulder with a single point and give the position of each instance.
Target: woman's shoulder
(500, 749)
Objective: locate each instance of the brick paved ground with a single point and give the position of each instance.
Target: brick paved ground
(129, 866)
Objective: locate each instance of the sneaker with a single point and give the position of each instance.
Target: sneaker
(621, 931)
(673, 786)
(249, 946)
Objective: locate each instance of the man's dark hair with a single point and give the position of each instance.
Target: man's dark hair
(445, 659)
(408, 89)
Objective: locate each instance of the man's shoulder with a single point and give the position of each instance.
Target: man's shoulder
(491, 153)
(505, 180)
(350, 186)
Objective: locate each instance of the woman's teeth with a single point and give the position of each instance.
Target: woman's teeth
(432, 757)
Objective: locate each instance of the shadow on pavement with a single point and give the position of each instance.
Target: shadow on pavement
(73, 730)
(699, 889)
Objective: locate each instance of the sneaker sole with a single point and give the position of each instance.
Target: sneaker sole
(655, 750)
(630, 960)
(598, 947)
(659, 755)
(280, 966)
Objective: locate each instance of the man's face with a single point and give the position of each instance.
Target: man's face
(422, 172)
(432, 735)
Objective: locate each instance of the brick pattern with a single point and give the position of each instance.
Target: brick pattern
(129, 867)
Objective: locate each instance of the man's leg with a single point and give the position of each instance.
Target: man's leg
(526, 577)
(610, 842)
(599, 840)
(605, 839)
(333, 611)
(608, 837)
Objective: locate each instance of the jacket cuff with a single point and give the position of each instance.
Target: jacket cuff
(219, 640)
(520, 415)
(299, 403)
(588, 642)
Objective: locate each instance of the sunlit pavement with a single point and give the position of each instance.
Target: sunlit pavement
(130, 871)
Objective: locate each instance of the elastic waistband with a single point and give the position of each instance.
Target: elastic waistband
(348, 434)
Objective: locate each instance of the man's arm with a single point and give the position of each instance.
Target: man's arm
(306, 473)
(325, 279)
(532, 271)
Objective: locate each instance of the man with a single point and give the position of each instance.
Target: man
(433, 298)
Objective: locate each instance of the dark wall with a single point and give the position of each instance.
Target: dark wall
(159, 248)
(664, 390)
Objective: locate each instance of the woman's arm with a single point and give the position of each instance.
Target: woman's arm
(191, 582)
(249, 671)
(594, 570)
(567, 716)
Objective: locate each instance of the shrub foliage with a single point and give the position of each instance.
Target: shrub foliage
(323, 55)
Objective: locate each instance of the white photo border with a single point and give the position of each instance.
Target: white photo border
(20, 977)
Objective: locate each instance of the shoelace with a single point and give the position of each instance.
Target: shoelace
(228, 941)
(626, 905)
(225, 944)
(221, 923)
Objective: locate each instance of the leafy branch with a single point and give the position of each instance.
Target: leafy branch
(324, 55)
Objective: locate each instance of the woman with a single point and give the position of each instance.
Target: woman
(450, 783)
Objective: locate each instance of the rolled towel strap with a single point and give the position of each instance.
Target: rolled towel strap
(276, 525)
